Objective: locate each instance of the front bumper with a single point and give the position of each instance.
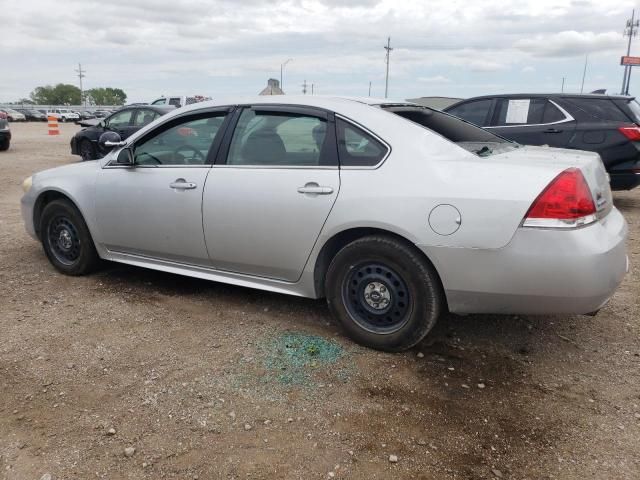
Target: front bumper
(539, 272)
(27, 203)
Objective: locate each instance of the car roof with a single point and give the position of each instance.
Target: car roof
(548, 95)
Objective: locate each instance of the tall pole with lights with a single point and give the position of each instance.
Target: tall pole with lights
(282, 65)
(630, 30)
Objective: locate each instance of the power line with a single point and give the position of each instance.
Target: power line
(630, 30)
(81, 75)
(386, 81)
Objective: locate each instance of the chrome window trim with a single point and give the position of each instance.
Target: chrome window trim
(567, 118)
(279, 167)
(369, 132)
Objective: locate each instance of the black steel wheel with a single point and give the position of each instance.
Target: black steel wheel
(377, 297)
(66, 239)
(384, 292)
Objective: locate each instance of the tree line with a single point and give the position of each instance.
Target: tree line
(66, 94)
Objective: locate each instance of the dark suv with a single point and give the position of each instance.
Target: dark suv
(604, 124)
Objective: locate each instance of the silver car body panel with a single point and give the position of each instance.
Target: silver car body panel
(258, 231)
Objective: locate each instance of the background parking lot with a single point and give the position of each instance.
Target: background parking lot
(130, 373)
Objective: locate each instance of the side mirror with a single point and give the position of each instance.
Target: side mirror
(109, 140)
(125, 157)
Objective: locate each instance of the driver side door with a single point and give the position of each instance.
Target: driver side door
(154, 209)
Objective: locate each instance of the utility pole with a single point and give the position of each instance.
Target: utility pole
(386, 81)
(304, 88)
(369, 87)
(584, 72)
(282, 65)
(631, 30)
(81, 75)
(562, 89)
(312, 88)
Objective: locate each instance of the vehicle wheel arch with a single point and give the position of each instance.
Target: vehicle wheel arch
(46, 197)
(333, 245)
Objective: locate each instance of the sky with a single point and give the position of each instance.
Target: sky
(220, 48)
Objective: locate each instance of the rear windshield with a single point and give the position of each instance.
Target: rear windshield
(466, 135)
(633, 108)
(600, 108)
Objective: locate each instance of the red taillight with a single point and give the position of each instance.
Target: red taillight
(567, 197)
(631, 132)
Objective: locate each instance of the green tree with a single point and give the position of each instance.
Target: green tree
(106, 96)
(61, 94)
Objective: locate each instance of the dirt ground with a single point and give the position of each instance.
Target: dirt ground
(211, 381)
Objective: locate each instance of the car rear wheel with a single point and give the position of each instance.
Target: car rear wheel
(385, 295)
(4, 144)
(66, 239)
(87, 150)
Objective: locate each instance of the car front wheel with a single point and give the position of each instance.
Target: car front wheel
(66, 239)
(384, 293)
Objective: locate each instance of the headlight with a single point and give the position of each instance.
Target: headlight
(26, 185)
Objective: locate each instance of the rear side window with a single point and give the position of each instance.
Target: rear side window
(357, 148)
(269, 138)
(175, 102)
(526, 111)
(475, 112)
(600, 108)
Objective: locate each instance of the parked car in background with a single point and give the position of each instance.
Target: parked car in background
(124, 122)
(606, 124)
(180, 100)
(390, 221)
(101, 113)
(13, 115)
(63, 114)
(33, 115)
(5, 131)
(86, 115)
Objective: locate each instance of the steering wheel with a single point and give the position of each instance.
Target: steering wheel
(196, 159)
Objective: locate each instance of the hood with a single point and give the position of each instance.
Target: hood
(90, 122)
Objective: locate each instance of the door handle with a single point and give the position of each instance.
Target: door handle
(552, 130)
(316, 189)
(182, 184)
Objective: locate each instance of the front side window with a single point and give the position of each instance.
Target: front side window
(121, 119)
(183, 143)
(269, 138)
(144, 117)
(356, 148)
(475, 112)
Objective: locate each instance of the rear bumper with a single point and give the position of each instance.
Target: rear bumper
(538, 272)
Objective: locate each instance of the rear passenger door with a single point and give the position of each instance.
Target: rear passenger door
(532, 121)
(271, 190)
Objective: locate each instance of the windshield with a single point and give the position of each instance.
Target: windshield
(464, 134)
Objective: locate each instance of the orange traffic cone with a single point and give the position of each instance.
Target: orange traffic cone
(53, 125)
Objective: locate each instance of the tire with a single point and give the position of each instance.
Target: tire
(66, 239)
(405, 297)
(87, 150)
(4, 145)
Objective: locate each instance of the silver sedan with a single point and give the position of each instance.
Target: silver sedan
(394, 213)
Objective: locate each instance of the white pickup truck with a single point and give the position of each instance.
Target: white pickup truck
(63, 114)
(180, 100)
